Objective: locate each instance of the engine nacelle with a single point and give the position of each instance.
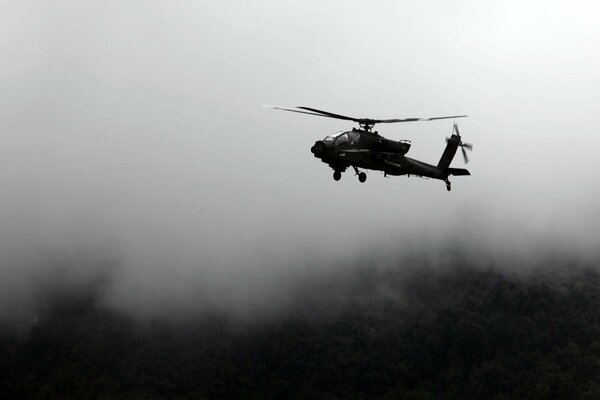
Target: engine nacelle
(391, 146)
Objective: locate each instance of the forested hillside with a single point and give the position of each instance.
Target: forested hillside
(462, 333)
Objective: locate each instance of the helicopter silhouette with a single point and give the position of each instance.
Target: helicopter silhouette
(364, 148)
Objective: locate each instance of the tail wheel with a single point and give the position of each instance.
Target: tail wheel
(337, 175)
(448, 186)
(362, 177)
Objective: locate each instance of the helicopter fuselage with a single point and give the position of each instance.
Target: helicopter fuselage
(369, 150)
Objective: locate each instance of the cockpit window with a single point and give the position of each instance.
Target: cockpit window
(341, 139)
(353, 136)
(333, 137)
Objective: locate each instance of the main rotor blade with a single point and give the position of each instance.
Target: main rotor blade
(296, 111)
(387, 121)
(330, 114)
(365, 121)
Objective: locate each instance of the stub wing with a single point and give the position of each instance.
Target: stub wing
(458, 171)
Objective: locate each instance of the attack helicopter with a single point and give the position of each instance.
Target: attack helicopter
(365, 148)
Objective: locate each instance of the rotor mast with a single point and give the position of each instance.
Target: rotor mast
(367, 125)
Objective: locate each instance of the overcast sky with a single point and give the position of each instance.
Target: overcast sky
(134, 130)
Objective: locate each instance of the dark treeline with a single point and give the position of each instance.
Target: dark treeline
(460, 334)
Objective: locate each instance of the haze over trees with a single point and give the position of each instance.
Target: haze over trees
(455, 333)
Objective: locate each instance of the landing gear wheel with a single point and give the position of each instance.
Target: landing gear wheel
(337, 175)
(362, 177)
(448, 186)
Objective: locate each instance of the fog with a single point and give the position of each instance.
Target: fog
(135, 151)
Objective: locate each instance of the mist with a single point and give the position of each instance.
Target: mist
(136, 156)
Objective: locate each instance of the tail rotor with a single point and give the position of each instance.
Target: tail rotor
(463, 146)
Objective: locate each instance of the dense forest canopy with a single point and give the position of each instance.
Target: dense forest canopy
(459, 332)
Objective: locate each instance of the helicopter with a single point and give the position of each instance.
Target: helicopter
(365, 148)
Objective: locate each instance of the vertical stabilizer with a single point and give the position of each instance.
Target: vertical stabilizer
(449, 152)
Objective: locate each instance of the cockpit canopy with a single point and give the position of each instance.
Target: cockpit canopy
(340, 138)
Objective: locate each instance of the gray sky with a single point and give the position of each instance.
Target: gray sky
(132, 132)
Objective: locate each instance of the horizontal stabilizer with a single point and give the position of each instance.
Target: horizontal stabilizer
(458, 171)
